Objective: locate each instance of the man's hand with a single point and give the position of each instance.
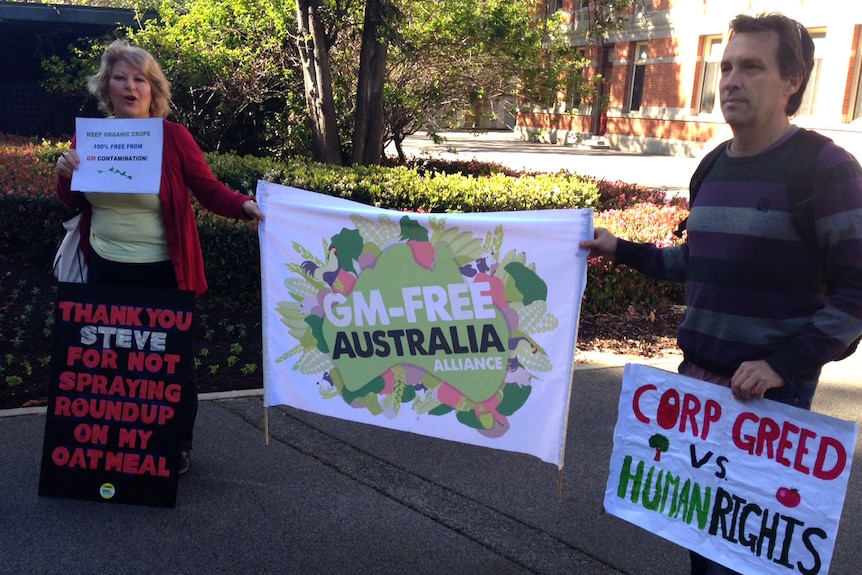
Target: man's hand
(753, 379)
(604, 245)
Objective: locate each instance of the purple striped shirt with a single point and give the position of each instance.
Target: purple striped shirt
(755, 289)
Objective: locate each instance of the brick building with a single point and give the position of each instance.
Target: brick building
(661, 75)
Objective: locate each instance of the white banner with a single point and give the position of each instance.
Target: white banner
(756, 486)
(457, 326)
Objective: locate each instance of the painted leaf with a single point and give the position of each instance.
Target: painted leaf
(531, 286)
(494, 241)
(412, 230)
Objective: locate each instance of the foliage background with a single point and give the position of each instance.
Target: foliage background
(238, 86)
(238, 82)
(629, 308)
(31, 215)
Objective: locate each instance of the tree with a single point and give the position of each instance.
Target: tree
(227, 85)
(455, 60)
(233, 89)
(660, 443)
(129, 4)
(555, 66)
(314, 54)
(605, 16)
(476, 52)
(282, 77)
(381, 17)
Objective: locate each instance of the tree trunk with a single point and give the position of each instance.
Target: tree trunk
(368, 122)
(399, 149)
(314, 54)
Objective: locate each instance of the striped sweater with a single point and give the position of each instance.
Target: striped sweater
(754, 288)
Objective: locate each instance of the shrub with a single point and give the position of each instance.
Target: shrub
(620, 195)
(242, 173)
(31, 215)
(471, 167)
(612, 289)
(644, 223)
(231, 258)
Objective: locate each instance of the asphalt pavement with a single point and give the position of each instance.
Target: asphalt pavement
(330, 496)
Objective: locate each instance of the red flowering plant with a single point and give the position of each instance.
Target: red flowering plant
(619, 289)
(31, 216)
(616, 195)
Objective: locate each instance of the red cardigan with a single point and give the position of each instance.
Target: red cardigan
(183, 168)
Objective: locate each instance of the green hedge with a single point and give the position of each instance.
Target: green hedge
(31, 216)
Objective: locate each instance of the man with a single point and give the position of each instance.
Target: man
(766, 308)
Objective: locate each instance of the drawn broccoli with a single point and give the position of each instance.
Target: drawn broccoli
(660, 443)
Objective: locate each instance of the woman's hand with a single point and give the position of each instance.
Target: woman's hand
(67, 163)
(252, 211)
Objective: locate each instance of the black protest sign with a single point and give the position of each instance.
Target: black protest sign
(120, 369)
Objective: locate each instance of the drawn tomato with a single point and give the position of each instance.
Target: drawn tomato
(788, 497)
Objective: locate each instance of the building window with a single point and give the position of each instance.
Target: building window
(808, 107)
(554, 6)
(710, 73)
(856, 112)
(573, 91)
(638, 73)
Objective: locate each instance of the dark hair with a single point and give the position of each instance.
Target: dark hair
(795, 48)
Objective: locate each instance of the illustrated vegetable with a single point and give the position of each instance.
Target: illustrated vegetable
(417, 238)
(423, 253)
(660, 443)
(789, 497)
(348, 245)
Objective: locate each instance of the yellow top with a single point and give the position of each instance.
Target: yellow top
(128, 228)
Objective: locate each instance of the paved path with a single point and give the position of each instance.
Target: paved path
(329, 496)
(662, 172)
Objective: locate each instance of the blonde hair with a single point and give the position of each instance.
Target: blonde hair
(122, 51)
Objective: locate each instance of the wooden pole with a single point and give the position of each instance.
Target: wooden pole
(266, 426)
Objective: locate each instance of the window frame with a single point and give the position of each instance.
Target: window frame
(855, 112)
(808, 106)
(636, 86)
(710, 73)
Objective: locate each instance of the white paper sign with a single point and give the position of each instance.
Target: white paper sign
(457, 326)
(119, 155)
(756, 486)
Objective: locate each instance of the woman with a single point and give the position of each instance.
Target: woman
(149, 240)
